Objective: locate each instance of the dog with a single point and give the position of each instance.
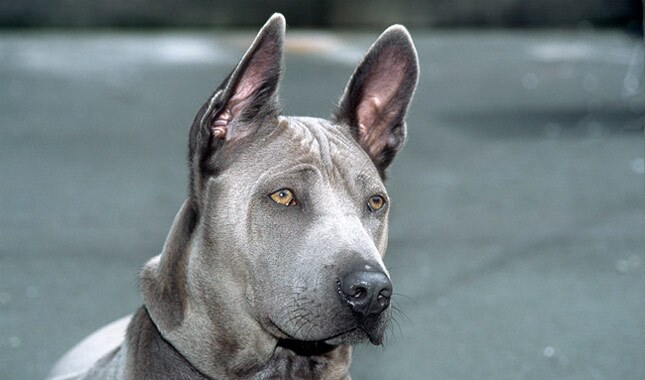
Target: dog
(273, 265)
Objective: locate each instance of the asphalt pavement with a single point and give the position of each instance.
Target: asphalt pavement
(517, 231)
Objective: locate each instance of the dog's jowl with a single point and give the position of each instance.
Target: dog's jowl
(273, 266)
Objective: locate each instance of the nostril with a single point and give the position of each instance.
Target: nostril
(384, 297)
(360, 293)
(385, 293)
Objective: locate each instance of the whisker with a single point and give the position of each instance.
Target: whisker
(398, 325)
(404, 296)
(389, 268)
(402, 313)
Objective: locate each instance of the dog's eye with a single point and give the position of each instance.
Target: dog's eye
(284, 197)
(376, 202)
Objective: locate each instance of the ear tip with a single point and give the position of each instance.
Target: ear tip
(399, 28)
(398, 32)
(276, 20)
(399, 36)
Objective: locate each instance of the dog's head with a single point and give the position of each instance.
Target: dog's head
(286, 222)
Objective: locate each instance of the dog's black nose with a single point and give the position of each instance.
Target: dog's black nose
(366, 291)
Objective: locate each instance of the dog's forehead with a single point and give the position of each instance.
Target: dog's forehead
(299, 140)
(321, 143)
(295, 141)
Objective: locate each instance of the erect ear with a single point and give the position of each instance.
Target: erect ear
(377, 95)
(249, 93)
(246, 99)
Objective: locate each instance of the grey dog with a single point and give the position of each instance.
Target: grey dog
(273, 266)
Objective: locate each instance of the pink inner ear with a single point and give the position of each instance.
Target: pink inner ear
(252, 79)
(249, 83)
(374, 113)
(242, 96)
(218, 129)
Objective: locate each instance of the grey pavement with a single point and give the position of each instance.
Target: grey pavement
(517, 231)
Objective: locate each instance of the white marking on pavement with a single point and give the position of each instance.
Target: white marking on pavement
(562, 51)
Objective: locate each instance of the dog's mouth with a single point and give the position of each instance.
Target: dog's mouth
(302, 347)
(306, 348)
(322, 346)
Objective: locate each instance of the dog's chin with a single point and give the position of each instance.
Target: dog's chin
(357, 335)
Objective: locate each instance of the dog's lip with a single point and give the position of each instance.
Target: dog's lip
(340, 334)
(327, 339)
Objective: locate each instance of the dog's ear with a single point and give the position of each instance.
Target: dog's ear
(377, 96)
(249, 94)
(246, 99)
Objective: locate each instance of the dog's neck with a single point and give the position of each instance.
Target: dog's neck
(289, 360)
(150, 356)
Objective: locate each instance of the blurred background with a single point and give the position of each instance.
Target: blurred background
(322, 13)
(518, 222)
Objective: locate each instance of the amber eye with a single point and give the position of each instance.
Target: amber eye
(376, 202)
(284, 197)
